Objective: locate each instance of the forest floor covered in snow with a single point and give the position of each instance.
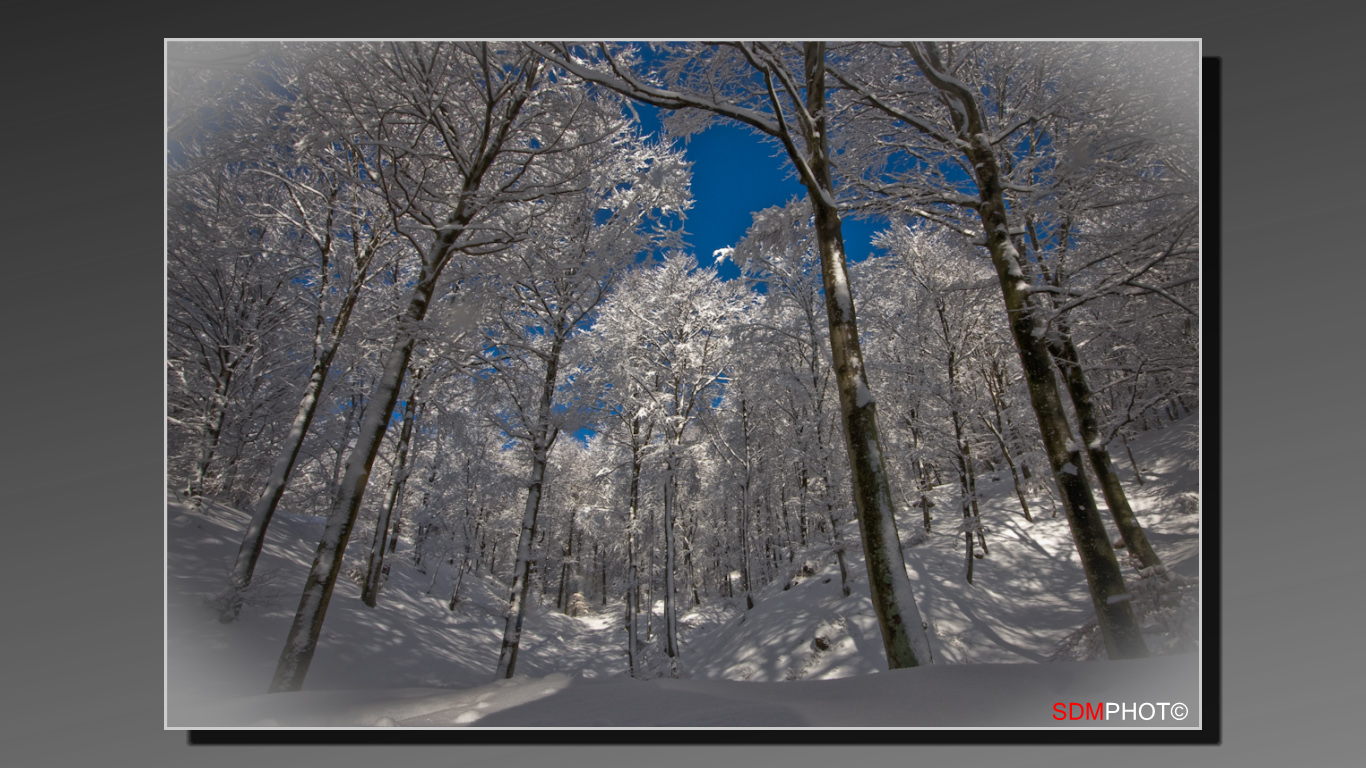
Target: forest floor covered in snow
(1008, 647)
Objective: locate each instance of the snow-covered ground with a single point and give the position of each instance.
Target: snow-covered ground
(1006, 647)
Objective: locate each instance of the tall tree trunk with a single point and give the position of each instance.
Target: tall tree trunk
(254, 538)
(521, 579)
(650, 578)
(961, 460)
(670, 607)
(972, 496)
(1109, 596)
(521, 582)
(746, 582)
(632, 566)
(396, 532)
(925, 505)
(302, 641)
(542, 569)
(1135, 540)
(370, 592)
(903, 633)
(566, 591)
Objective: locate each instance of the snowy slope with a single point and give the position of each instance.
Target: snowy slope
(803, 657)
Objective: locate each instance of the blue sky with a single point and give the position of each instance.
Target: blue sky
(735, 173)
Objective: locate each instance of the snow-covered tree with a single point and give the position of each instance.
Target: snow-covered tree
(672, 325)
(555, 281)
(333, 218)
(231, 296)
(780, 91)
(933, 304)
(784, 389)
(464, 140)
(965, 130)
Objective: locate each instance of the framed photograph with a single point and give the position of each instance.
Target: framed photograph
(707, 392)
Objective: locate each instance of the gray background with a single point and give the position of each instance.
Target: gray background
(82, 371)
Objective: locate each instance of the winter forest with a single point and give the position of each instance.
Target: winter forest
(463, 431)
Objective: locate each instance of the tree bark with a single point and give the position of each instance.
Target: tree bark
(302, 640)
(745, 582)
(903, 633)
(632, 566)
(370, 592)
(567, 566)
(670, 607)
(1109, 596)
(521, 582)
(1135, 540)
(254, 538)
